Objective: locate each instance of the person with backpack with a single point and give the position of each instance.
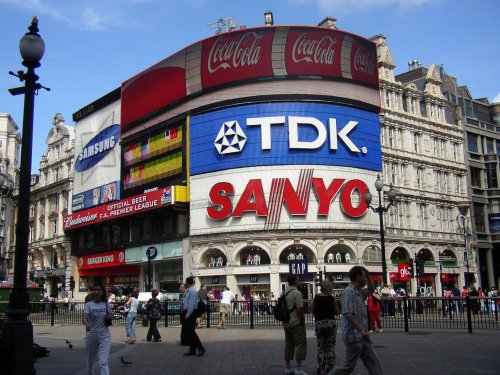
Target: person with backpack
(295, 327)
(192, 303)
(324, 307)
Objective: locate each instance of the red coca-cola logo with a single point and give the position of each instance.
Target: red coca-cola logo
(311, 50)
(226, 54)
(364, 61)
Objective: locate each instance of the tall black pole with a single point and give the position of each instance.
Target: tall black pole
(380, 211)
(17, 336)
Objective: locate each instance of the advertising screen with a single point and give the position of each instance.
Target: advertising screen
(97, 158)
(294, 133)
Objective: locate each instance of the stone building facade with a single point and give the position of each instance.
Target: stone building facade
(49, 261)
(10, 141)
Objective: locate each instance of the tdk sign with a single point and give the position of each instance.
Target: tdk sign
(285, 134)
(97, 148)
(231, 138)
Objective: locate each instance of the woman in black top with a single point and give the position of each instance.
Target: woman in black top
(324, 307)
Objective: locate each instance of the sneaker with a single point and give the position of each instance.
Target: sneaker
(370, 331)
(300, 372)
(381, 330)
(289, 371)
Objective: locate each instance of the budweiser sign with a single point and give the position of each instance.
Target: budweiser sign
(242, 52)
(365, 61)
(312, 50)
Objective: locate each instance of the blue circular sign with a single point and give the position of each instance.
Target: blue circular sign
(151, 252)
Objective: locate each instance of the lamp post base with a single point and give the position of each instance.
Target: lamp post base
(17, 345)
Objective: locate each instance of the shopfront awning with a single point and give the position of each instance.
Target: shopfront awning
(118, 270)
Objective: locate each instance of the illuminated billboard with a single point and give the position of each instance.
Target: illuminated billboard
(246, 56)
(294, 133)
(97, 158)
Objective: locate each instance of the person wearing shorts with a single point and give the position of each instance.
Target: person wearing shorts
(225, 306)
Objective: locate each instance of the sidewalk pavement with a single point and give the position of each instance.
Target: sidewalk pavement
(260, 351)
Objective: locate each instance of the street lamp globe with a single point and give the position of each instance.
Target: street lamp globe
(392, 193)
(368, 197)
(379, 184)
(32, 46)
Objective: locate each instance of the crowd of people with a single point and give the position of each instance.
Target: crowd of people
(361, 305)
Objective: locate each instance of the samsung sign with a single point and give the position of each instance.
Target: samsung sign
(285, 134)
(97, 148)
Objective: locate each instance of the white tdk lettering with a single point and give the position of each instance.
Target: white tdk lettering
(294, 122)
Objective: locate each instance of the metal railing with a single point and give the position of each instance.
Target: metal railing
(401, 313)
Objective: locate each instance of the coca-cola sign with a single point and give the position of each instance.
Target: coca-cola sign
(236, 56)
(364, 62)
(313, 52)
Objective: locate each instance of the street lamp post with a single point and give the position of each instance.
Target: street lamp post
(17, 334)
(391, 194)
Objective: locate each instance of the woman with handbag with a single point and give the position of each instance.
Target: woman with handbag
(97, 317)
(153, 309)
(131, 308)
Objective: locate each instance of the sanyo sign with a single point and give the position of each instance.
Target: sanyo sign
(285, 134)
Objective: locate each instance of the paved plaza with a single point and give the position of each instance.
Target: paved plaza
(260, 351)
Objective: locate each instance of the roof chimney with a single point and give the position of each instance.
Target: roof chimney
(329, 22)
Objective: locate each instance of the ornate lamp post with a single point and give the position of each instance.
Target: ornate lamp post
(391, 194)
(17, 330)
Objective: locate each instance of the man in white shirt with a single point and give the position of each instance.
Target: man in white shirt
(225, 306)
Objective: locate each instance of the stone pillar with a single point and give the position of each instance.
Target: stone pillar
(489, 268)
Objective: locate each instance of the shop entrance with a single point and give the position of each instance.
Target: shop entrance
(306, 288)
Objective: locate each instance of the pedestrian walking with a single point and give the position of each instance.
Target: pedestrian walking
(225, 306)
(153, 310)
(295, 328)
(354, 322)
(324, 307)
(374, 307)
(191, 315)
(183, 312)
(97, 316)
(205, 296)
(130, 321)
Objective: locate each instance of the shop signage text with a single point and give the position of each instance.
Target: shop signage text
(107, 259)
(253, 198)
(124, 207)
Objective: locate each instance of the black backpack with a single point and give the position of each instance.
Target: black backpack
(281, 311)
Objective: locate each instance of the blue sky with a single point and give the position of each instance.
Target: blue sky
(92, 46)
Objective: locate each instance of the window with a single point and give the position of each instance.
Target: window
(458, 184)
(437, 178)
(438, 112)
(436, 146)
(472, 143)
(491, 175)
(450, 219)
(416, 142)
(423, 216)
(455, 151)
(443, 148)
(391, 136)
(56, 175)
(394, 173)
(402, 174)
(372, 254)
(440, 217)
(420, 173)
(32, 210)
(413, 105)
(445, 182)
(54, 227)
(387, 99)
(479, 217)
(399, 140)
(489, 146)
(475, 177)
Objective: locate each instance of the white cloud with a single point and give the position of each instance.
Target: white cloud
(496, 99)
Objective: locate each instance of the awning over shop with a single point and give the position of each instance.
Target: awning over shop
(123, 270)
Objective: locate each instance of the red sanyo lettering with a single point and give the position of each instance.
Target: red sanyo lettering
(253, 199)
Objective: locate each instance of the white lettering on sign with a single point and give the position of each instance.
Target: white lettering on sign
(101, 259)
(313, 50)
(235, 53)
(364, 61)
(294, 122)
(70, 221)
